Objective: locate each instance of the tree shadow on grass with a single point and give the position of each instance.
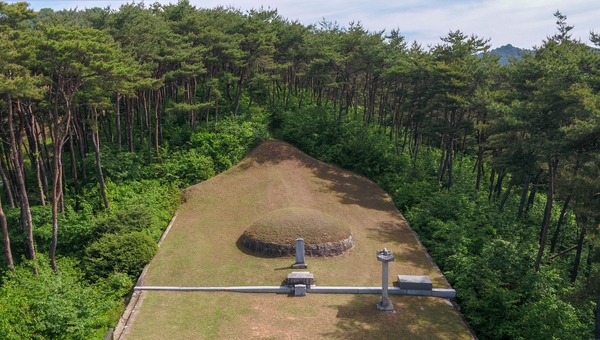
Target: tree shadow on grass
(349, 187)
(402, 237)
(354, 189)
(414, 318)
(389, 232)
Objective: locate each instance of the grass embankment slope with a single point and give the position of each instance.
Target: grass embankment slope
(203, 249)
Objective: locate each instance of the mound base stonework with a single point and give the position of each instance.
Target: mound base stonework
(314, 250)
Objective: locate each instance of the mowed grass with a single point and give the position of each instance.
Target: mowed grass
(219, 315)
(284, 226)
(203, 249)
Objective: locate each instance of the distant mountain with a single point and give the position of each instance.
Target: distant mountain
(506, 51)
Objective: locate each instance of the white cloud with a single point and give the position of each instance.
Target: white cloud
(521, 23)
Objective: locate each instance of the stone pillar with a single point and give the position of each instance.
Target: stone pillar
(300, 254)
(385, 256)
(384, 281)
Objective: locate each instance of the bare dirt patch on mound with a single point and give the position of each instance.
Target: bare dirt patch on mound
(204, 248)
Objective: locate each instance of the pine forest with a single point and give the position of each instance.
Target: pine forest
(107, 114)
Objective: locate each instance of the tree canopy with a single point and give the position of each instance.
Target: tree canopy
(495, 166)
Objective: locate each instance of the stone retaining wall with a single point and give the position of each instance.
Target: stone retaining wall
(314, 250)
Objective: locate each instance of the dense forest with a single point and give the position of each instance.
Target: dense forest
(106, 115)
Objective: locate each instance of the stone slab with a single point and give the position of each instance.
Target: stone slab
(299, 251)
(420, 292)
(300, 265)
(300, 290)
(443, 293)
(414, 282)
(303, 278)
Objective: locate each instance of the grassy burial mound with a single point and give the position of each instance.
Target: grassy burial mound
(275, 234)
(275, 181)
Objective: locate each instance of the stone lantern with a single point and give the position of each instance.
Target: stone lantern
(385, 256)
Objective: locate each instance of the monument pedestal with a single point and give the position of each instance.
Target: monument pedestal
(302, 278)
(385, 306)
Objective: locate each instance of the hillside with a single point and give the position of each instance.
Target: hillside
(508, 51)
(203, 249)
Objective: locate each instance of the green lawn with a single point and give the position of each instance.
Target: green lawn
(203, 249)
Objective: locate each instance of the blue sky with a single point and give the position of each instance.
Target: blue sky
(523, 23)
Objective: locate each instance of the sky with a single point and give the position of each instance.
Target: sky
(522, 23)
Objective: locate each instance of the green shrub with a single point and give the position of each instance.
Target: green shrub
(54, 305)
(124, 221)
(185, 167)
(124, 253)
(159, 199)
(230, 142)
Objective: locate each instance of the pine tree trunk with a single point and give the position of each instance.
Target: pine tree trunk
(156, 125)
(193, 100)
(578, 254)
(96, 141)
(524, 194)
(46, 163)
(7, 184)
(216, 108)
(12, 176)
(55, 200)
(506, 194)
(74, 169)
(208, 108)
(27, 221)
(491, 189)
(443, 161)
(6, 239)
(118, 120)
(239, 94)
(61, 131)
(130, 122)
(449, 156)
(479, 165)
(563, 212)
(148, 128)
(498, 188)
(531, 199)
(33, 146)
(79, 134)
(552, 164)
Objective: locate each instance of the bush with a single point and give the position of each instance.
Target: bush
(54, 306)
(184, 167)
(124, 221)
(230, 141)
(124, 253)
(160, 200)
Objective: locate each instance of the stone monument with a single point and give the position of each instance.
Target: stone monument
(385, 256)
(300, 255)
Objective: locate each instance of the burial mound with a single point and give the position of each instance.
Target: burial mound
(275, 233)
